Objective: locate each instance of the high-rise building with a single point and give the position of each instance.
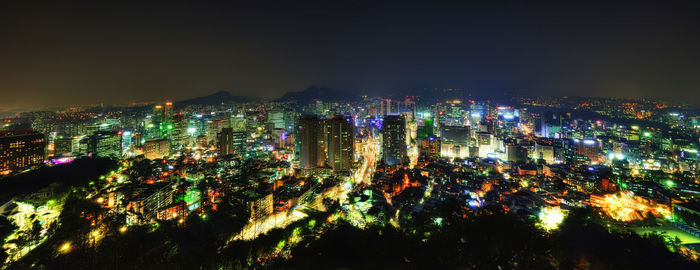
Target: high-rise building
(430, 148)
(105, 144)
(168, 111)
(21, 149)
(224, 141)
(544, 151)
(239, 141)
(340, 140)
(156, 149)
(394, 140)
(454, 141)
(63, 146)
(587, 147)
(310, 142)
(179, 133)
(516, 153)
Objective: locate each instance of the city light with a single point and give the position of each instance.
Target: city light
(627, 207)
(65, 248)
(254, 169)
(551, 217)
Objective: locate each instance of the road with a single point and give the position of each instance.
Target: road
(361, 177)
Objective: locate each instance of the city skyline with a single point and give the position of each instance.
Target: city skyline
(350, 134)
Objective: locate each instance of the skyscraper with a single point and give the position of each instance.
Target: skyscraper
(311, 142)
(105, 144)
(340, 144)
(156, 149)
(21, 149)
(179, 133)
(239, 141)
(225, 141)
(394, 140)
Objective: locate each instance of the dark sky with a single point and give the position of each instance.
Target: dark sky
(122, 51)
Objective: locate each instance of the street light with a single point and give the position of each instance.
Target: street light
(64, 248)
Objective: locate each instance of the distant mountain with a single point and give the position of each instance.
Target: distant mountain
(216, 98)
(318, 93)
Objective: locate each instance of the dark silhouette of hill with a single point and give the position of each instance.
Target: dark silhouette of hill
(214, 99)
(318, 93)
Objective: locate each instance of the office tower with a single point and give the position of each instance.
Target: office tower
(179, 136)
(430, 148)
(340, 144)
(213, 130)
(158, 114)
(225, 141)
(394, 140)
(168, 111)
(454, 141)
(238, 122)
(21, 149)
(156, 149)
(310, 142)
(516, 153)
(544, 151)
(105, 144)
(239, 141)
(387, 107)
(278, 119)
(63, 146)
(127, 139)
(587, 147)
(484, 143)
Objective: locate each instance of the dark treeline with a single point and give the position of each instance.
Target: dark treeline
(486, 239)
(75, 174)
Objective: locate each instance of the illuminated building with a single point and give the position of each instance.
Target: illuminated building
(430, 147)
(201, 141)
(454, 141)
(544, 152)
(687, 217)
(179, 136)
(587, 147)
(105, 144)
(484, 141)
(427, 129)
(238, 122)
(508, 116)
(311, 142)
(239, 141)
(278, 119)
(158, 114)
(168, 111)
(341, 148)
(261, 207)
(63, 146)
(213, 130)
(394, 140)
(156, 149)
(516, 153)
(224, 142)
(174, 210)
(388, 107)
(143, 207)
(21, 149)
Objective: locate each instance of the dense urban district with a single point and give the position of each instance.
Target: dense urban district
(317, 180)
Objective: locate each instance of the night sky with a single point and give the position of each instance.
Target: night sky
(121, 51)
